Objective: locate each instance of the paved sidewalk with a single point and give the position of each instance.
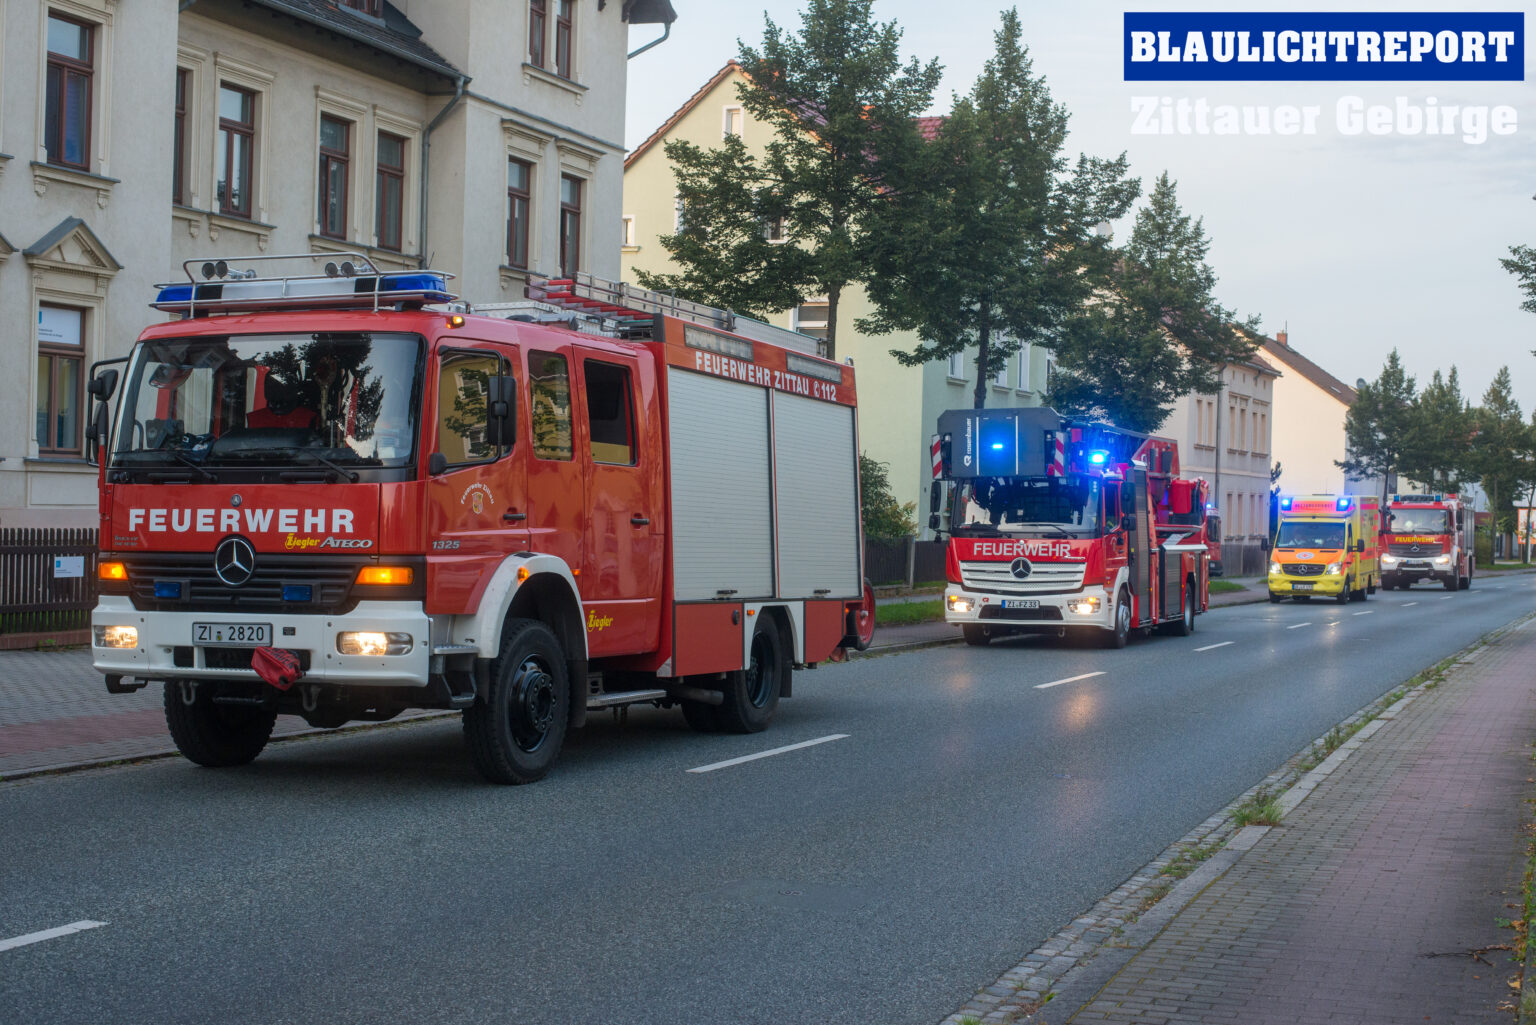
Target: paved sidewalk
(1377, 899)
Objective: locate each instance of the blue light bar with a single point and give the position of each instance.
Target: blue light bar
(298, 592)
(1285, 503)
(1097, 458)
(168, 589)
(1342, 504)
(251, 294)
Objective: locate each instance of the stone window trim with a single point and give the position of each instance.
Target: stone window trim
(240, 74)
(71, 69)
(99, 15)
(45, 174)
(533, 73)
(196, 145)
(627, 243)
(75, 287)
(564, 50)
(359, 202)
(406, 128)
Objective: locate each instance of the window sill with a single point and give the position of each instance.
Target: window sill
(532, 73)
(629, 249)
(57, 462)
(956, 380)
(327, 244)
(198, 221)
(44, 175)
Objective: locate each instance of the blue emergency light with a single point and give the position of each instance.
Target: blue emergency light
(1098, 458)
(1342, 505)
(345, 286)
(169, 589)
(298, 592)
(1285, 503)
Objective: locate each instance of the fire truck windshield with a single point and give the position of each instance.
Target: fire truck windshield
(343, 399)
(1026, 505)
(1418, 521)
(1310, 534)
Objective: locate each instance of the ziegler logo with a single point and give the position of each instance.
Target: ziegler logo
(596, 622)
(1018, 549)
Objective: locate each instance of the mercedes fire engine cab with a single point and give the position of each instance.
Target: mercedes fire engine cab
(341, 495)
(1058, 525)
(1428, 536)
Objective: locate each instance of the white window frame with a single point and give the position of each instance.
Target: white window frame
(677, 213)
(627, 233)
(1026, 356)
(956, 368)
(361, 147)
(740, 116)
(228, 71)
(97, 13)
(796, 323)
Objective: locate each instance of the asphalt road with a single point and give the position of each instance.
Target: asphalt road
(884, 876)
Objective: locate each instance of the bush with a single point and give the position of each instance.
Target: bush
(884, 518)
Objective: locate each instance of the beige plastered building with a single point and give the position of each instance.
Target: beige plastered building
(134, 136)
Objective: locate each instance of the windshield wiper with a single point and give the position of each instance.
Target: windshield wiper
(1063, 531)
(199, 467)
(351, 475)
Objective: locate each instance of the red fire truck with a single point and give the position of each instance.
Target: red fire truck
(342, 495)
(1061, 525)
(1429, 535)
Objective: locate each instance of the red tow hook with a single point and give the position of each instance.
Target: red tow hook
(278, 666)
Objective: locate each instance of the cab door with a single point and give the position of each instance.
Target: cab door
(557, 491)
(621, 567)
(472, 520)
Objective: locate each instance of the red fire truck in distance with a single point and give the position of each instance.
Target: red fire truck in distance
(321, 496)
(1427, 536)
(1057, 525)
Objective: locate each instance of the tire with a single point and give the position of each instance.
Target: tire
(975, 635)
(214, 735)
(701, 718)
(1452, 583)
(1186, 624)
(1346, 595)
(1121, 633)
(1276, 599)
(752, 694)
(861, 621)
(516, 728)
(1471, 571)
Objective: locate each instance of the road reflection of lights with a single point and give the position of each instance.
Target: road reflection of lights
(1081, 709)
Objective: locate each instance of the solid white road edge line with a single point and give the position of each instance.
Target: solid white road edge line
(1298, 626)
(1070, 679)
(49, 934)
(1223, 644)
(769, 754)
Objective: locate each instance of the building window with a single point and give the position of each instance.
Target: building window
(1001, 377)
(1050, 371)
(236, 152)
(957, 365)
(335, 154)
(677, 215)
(627, 230)
(536, 32)
(811, 319)
(564, 11)
(773, 229)
(1026, 353)
(179, 153)
(570, 225)
(519, 196)
(732, 121)
(60, 379)
(67, 117)
(390, 188)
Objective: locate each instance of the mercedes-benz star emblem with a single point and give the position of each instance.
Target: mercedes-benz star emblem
(1021, 569)
(1413, 548)
(234, 561)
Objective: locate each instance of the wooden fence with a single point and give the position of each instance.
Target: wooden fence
(47, 585)
(905, 561)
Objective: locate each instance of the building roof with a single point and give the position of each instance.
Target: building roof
(393, 34)
(1282, 353)
(682, 112)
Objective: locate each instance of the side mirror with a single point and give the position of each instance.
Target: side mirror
(933, 522)
(500, 409)
(437, 464)
(935, 499)
(1360, 545)
(103, 384)
(1128, 523)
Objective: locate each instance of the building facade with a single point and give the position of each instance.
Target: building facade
(899, 406)
(1227, 440)
(481, 136)
(1309, 432)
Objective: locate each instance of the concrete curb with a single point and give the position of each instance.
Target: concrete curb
(1067, 985)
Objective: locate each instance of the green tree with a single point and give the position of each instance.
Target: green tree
(1378, 423)
(1522, 264)
(1501, 449)
(885, 519)
(987, 235)
(1154, 332)
(1436, 449)
(842, 107)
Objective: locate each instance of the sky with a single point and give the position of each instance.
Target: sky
(1354, 244)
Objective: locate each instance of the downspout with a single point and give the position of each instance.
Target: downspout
(426, 152)
(666, 31)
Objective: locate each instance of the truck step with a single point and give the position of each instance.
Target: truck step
(623, 697)
(456, 649)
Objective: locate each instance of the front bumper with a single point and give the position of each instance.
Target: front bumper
(1329, 584)
(1051, 612)
(165, 650)
(1409, 570)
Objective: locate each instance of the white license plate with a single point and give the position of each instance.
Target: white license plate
(250, 635)
(1301, 587)
(1021, 603)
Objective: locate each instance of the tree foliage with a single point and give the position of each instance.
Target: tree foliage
(1435, 449)
(1522, 264)
(842, 107)
(885, 519)
(1501, 448)
(1379, 422)
(987, 235)
(1154, 332)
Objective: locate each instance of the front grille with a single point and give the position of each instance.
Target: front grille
(1413, 551)
(184, 656)
(1044, 577)
(328, 578)
(1049, 613)
(1302, 569)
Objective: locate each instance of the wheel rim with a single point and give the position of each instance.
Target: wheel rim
(759, 679)
(1123, 616)
(532, 711)
(1189, 610)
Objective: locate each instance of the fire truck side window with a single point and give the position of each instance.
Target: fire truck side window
(549, 383)
(610, 414)
(462, 388)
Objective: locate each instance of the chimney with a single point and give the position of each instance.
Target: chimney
(1283, 338)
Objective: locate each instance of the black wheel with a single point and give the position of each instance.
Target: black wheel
(975, 635)
(1347, 594)
(215, 735)
(1186, 624)
(1116, 637)
(1276, 599)
(1470, 570)
(752, 694)
(701, 717)
(516, 728)
(1451, 583)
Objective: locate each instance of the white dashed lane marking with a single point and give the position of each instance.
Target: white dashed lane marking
(1367, 612)
(1070, 679)
(49, 934)
(711, 767)
(1297, 626)
(1209, 647)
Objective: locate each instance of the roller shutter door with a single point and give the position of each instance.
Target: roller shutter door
(818, 498)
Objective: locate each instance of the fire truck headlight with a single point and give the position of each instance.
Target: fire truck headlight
(1274, 569)
(117, 636)
(1085, 606)
(367, 642)
(1334, 568)
(1442, 560)
(959, 604)
(1389, 560)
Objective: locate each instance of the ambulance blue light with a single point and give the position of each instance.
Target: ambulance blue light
(1341, 505)
(1285, 503)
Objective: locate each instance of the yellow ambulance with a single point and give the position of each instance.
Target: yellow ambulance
(1326, 546)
